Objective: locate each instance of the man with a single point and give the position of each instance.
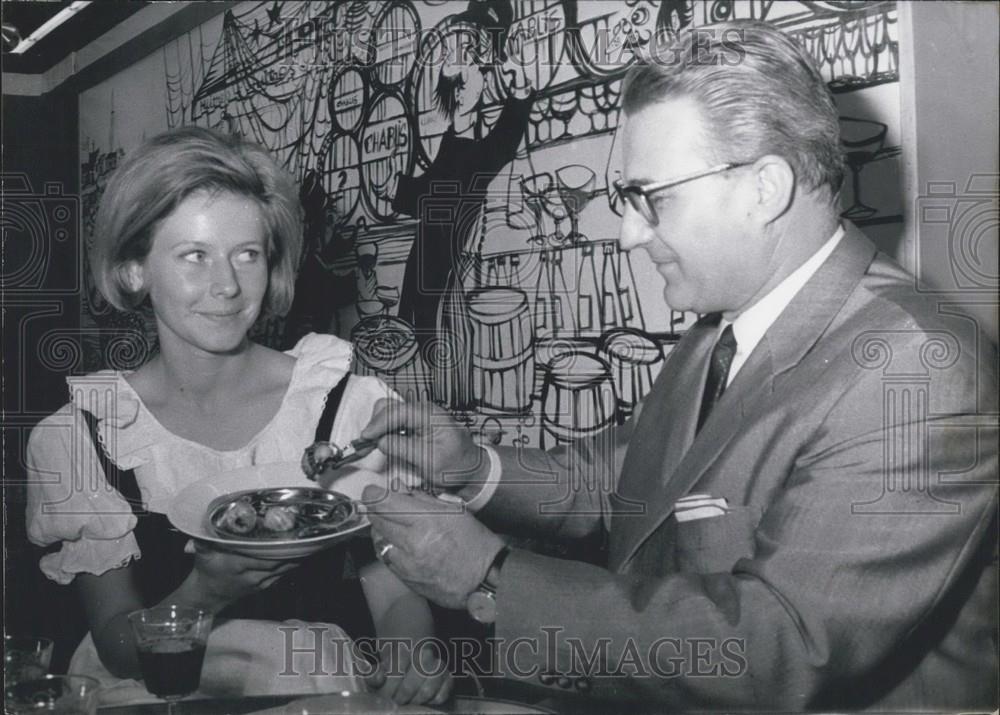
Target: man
(820, 536)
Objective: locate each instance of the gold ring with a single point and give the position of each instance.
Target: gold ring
(383, 551)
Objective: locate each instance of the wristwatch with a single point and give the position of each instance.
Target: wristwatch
(482, 603)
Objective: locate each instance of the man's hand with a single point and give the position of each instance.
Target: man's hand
(421, 435)
(419, 680)
(437, 548)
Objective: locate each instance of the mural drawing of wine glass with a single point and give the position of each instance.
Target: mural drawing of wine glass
(555, 208)
(534, 189)
(862, 140)
(576, 187)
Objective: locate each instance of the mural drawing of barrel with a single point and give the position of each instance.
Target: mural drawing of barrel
(503, 361)
(631, 354)
(347, 98)
(340, 160)
(386, 150)
(578, 396)
(394, 42)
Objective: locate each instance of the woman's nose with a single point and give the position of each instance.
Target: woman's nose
(635, 231)
(225, 282)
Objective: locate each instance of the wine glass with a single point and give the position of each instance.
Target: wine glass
(170, 641)
(863, 140)
(25, 658)
(534, 188)
(576, 187)
(52, 695)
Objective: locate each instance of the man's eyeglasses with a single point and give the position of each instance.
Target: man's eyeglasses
(638, 196)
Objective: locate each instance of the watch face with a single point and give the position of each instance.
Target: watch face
(482, 606)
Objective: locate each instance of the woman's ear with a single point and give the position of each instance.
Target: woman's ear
(131, 275)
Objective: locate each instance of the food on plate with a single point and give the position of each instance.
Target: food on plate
(281, 513)
(318, 456)
(239, 517)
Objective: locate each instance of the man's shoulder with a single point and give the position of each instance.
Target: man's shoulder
(890, 327)
(889, 297)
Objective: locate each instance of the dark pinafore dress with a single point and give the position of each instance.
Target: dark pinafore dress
(325, 588)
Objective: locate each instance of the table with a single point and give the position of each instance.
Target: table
(243, 706)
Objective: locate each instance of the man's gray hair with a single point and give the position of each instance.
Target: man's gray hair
(759, 91)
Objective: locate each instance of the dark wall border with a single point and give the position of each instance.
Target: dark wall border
(140, 46)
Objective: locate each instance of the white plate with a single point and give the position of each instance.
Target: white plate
(187, 511)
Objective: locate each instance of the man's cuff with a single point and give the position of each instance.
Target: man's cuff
(492, 482)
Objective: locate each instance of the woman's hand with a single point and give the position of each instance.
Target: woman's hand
(222, 577)
(420, 679)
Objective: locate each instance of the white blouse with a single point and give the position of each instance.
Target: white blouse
(70, 500)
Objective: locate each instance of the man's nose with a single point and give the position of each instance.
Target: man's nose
(635, 231)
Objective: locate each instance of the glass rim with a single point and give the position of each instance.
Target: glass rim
(15, 637)
(91, 681)
(182, 611)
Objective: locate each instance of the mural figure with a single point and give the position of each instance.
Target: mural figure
(454, 186)
(319, 290)
(373, 298)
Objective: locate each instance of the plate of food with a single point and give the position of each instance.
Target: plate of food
(269, 511)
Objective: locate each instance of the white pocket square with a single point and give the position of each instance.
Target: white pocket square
(699, 506)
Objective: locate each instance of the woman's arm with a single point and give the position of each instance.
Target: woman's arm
(217, 579)
(403, 621)
(107, 600)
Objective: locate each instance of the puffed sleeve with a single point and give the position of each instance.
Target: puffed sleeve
(70, 501)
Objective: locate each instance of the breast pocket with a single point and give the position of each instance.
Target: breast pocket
(715, 544)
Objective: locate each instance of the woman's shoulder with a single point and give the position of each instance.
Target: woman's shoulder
(323, 360)
(274, 368)
(101, 394)
(321, 351)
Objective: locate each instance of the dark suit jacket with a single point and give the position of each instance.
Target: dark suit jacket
(855, 568)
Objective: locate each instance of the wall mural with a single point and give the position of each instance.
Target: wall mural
(454, 162)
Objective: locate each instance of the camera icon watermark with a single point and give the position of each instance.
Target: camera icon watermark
(958, 227)
(41, 237)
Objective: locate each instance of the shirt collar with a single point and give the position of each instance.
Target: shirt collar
(750, 325)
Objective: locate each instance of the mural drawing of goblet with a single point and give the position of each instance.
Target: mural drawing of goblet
(576, 187)
(862, 140)
(534, 189)
(555, 208)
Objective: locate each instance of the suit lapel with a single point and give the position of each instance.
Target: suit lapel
(666, 427)
(686, 458)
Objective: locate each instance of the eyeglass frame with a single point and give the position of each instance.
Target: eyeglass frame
(644, 207)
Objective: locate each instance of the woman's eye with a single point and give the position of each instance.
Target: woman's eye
(194, 256)
(250, 255)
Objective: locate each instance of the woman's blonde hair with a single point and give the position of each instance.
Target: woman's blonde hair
(168, 168)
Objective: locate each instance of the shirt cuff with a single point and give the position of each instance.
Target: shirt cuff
(492, 482)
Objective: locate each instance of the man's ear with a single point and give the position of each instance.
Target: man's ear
(775, 187)
(132, 276)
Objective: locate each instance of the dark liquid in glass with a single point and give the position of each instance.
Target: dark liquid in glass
(171, 667)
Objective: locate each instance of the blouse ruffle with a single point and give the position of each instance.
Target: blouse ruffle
(71, 501)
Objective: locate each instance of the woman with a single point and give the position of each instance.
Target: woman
(207, 228)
